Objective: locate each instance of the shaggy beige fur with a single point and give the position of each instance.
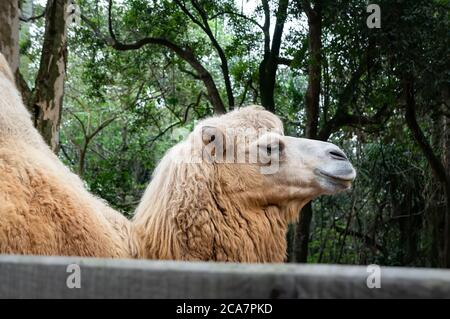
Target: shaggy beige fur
(224, 211)
(190, 211)
(44, 208)
(201, 211)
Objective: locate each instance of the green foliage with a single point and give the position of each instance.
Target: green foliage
(153, 98)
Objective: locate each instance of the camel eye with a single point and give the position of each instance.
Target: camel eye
(275, 148)
(272, 149)
(280, 146)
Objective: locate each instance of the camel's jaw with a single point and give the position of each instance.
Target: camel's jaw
(336, 178)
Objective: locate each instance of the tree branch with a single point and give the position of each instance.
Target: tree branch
(83, 128)
(184, 53)
(32, 18)
(183, 8)
(240, 15)
(266, 25)
(436, 166)
(193, 74)
(342, 117)
(368, 241)
(308, 9)
(110, 26)
(204, 25)
(66, 155)
(284, 61)
(346, 119)
(96, 30)
(102, 126)
(280, 20)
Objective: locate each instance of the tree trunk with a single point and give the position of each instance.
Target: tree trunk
(269, 65)
(26, 10)
(445, 122)
(312, 116)
(302, 231)
(314, 74)
(434, 205)
(267, 74)
(9, 33)
(49, 87)
(437, 167)
(82, 162)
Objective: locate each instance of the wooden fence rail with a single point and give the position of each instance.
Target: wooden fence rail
(51, 277)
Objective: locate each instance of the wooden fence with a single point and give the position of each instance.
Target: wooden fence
(59, 277)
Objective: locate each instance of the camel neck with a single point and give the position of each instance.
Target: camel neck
(212, 228)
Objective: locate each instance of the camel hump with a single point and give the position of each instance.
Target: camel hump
(5, 70)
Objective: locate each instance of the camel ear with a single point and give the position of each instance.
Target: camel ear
(213, 144)
(209, 134)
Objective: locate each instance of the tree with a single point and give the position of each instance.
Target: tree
(141, 73)
(48, 93)
(318, 123)
(271, 56)
(314, 15)
(203, 23)
(9, 33)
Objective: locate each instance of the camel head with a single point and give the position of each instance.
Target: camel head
(229, 190)
(257, 163)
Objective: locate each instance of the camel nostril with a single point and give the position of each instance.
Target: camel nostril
(337, 154)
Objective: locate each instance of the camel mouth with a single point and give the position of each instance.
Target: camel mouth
(337, 180)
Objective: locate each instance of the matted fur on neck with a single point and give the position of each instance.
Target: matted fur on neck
(186, 214)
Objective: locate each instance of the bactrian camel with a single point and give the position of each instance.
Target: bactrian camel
(211, 197)
(207, 203)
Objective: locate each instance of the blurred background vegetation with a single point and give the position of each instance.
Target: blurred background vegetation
(138, 74)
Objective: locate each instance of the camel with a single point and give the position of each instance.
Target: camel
(211, 197)
(44, 207)
(206, 203)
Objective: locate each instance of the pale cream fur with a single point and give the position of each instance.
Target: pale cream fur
(218, 211)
